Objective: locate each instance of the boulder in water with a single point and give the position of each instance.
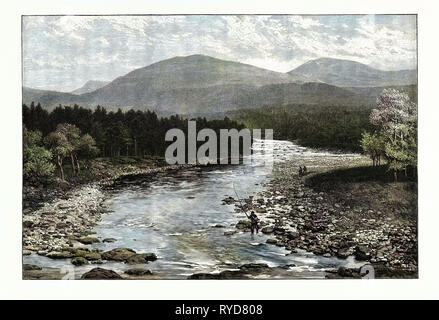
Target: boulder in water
(59, 255)
(243, 224)
(140, 258)
(88, 240)
(79, 261)
(267, 230)
(138, 272)
(118, 254)
(31, 267)
(100, 274)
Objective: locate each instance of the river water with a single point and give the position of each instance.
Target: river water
(180, 216)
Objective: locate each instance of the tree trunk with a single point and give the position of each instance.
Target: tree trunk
(77, 165)
(60, 167)
(395, 176)
(73, 163)
(135, 146)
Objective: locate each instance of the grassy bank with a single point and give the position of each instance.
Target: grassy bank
(370, 188)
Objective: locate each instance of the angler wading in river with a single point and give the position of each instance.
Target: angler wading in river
(254, 220)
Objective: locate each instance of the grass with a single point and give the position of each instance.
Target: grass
(356, 174)
(370, 188)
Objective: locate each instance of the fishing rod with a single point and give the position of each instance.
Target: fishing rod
(240, 201)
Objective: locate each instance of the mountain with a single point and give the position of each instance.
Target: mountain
(47, 98)
(346, 73)
(90, 86)
(200, 84)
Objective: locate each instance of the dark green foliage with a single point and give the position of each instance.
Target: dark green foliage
(131, 133)
(352, 175)
(334, 127)
(37, 166)
(373, 145)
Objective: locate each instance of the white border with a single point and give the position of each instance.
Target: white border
(11, 285)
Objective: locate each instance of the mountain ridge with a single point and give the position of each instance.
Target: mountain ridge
(89, 86)
(199, 83)
(348, 73)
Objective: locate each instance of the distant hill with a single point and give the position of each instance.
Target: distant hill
(373, 92)
(346, 73)
(90, 86)
(47, 98)
(201, 84)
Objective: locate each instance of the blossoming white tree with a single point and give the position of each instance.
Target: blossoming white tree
(396, 118)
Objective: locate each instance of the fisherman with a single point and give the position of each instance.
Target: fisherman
(300, 171)
(304, 170)
(254, 222)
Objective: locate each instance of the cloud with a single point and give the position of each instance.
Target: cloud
(63, 52)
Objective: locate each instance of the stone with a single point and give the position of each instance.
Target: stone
(88, 240)
(77, 251)
(31, 267)
(229, 200)
(79, 261)
(232, 274)
(347, 273)
(138, 272)
(100, 274)
(118, 254)
(292, 235)
(243, 224)
(92, 256)
(141, 258)
(27, 252)
(204, 276)
(343, 253)
(253, 266)
(271, 241)
(59, 255)
(109, 240)
(267, 230)
(27, 223)
(362, 253)
(229, 233)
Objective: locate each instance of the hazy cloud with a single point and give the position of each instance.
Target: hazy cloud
(63, 52)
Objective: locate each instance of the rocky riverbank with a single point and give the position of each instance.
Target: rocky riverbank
(67, 219)
(374, 221)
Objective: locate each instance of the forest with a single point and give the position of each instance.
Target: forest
(72, 134)
(386, 131)
(328, 126)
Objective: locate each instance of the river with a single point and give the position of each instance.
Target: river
(180, 216)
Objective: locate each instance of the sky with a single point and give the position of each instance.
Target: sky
(63, 52)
